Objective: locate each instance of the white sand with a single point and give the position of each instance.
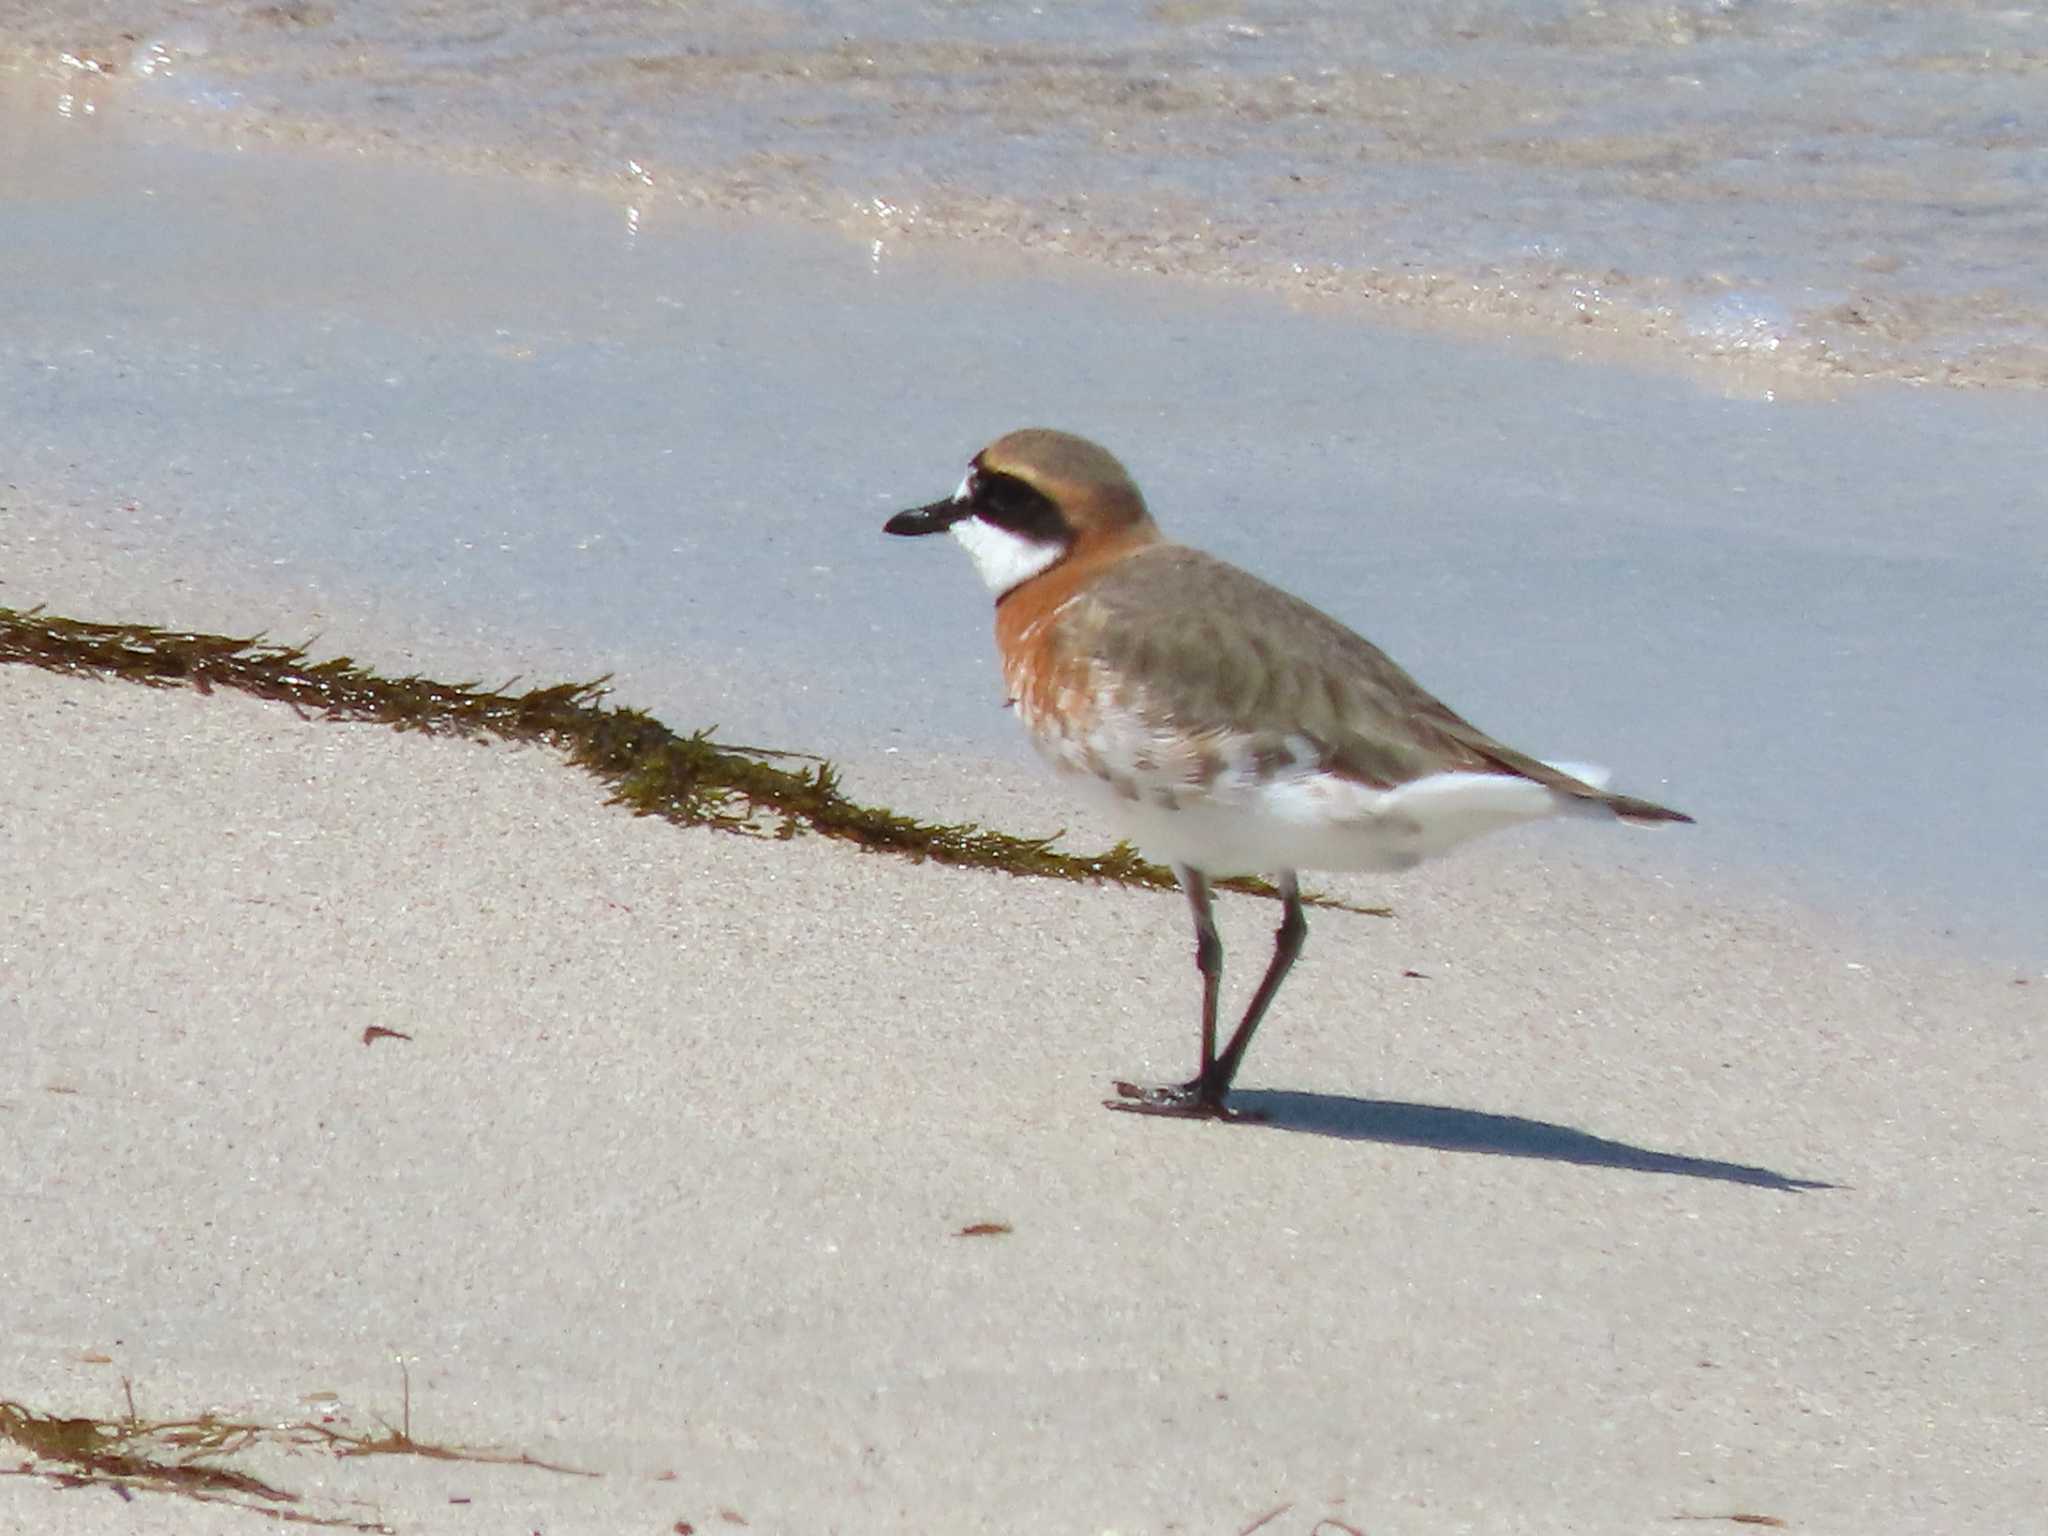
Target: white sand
(666, 1183)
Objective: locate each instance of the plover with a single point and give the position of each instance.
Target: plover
(1225, 726)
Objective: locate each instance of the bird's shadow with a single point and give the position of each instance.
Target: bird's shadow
(1395, 1123)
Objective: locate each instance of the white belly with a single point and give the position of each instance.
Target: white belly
(1313, 820)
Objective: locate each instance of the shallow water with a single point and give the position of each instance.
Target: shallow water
(1822, 189)
(665, 450)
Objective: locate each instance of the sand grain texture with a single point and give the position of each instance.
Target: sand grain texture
(669, 1176)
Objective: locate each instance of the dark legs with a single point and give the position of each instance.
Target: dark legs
(1287, 942)
(1208, 955)
(1203, 1097)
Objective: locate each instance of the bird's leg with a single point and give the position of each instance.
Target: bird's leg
(1203, 1097)
(1287, 941)
(1180, 1100)
(1208, 954)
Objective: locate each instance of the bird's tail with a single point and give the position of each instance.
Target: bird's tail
(1629, 808)
(1595, 779)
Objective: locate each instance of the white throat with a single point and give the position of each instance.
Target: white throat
(1003, 558)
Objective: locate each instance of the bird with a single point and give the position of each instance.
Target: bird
(1223, 725)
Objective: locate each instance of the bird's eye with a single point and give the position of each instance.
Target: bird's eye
(1011, 503)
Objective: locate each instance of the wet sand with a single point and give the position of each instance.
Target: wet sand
(663, 451)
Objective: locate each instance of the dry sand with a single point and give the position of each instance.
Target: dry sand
(1633, 1205)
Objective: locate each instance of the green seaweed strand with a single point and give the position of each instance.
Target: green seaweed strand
(690, 780)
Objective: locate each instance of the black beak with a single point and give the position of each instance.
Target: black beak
(936, 518)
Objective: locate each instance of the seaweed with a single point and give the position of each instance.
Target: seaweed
(691, 780)
(182, 1457)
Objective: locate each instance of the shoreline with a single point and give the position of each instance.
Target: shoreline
(138, 580)
(1567, 314)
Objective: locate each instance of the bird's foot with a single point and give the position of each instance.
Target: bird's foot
(1186, 1101)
